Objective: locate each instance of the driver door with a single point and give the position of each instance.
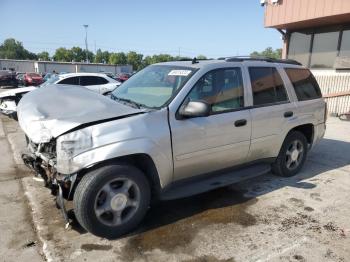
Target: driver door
(220, 140)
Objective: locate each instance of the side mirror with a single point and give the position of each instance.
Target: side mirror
(194, 109)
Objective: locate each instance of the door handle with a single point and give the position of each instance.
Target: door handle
(288, 114)
(241, 122)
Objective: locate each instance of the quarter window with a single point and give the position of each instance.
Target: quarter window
(70, 81)
(92, 80)
(267, 86)
(304, 83)
(222, 89)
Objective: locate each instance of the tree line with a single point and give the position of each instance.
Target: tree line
(13, 49)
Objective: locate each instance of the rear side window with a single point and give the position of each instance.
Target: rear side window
(70, 81)
(267, 86)
(304, 83)
(92, 80)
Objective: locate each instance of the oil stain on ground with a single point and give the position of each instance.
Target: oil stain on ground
(209, 259)
(179, 221)
(91, 247)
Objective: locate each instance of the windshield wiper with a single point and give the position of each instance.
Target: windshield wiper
(125, 100)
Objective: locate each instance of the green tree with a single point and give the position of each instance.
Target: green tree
(201, 57)
(162, 58)
(102, 57)
(117, 59)
(78, 54)
(43, 56)
(63, 55)
(13, 49)
(269, 52)
(134, 59)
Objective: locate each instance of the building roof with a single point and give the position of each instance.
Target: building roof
(298, 14)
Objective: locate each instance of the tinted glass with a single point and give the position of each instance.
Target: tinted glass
(267, 86)
(305, 85)
(68, 81)
(221, 89)
(345, 44)
(92, 80)
(299, 47)
(324, 50)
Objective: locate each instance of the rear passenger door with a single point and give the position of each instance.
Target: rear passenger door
(271, 112)
(94, 83)
(311, 107)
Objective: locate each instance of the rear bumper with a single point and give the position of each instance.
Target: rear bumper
(319, 132)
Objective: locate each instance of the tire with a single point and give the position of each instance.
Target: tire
(91, 200)
(284, 165)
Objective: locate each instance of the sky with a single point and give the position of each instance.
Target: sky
(213, 28)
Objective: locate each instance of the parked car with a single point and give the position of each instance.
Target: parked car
(98, 83)
(123, 77)
(8, 78)
(20, 79)
(32, 79)
(47, 76)
(173, 130)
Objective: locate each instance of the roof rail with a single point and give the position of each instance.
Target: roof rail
(258, 58)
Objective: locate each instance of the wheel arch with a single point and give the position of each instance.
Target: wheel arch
(308, 130)
(142, 161)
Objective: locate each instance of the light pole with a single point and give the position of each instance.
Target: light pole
(86, 44)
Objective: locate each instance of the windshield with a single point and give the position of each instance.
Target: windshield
(153, 86)
(51, 80)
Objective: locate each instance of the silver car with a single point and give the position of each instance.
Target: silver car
(97, 82)
(172, 130)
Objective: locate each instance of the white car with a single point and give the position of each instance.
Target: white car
(99, 83)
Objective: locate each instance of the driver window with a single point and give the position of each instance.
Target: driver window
(222, 89)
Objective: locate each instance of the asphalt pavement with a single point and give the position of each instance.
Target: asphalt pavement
(303, 218)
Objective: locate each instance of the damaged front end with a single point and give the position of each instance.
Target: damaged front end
(42, 159)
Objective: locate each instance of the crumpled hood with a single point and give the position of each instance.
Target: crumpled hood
(48, 112)
(15, 91)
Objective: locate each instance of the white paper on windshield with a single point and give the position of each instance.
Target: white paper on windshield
(179, 72)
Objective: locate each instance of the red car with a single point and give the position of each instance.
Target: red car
(32, 79)
(123, 77)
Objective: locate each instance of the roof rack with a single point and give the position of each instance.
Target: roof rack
(258, 58)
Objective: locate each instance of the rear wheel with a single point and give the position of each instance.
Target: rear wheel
(292, 155)
(112, 200)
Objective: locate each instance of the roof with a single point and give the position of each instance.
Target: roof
(82, 74)
(293, 14)
(234, 61)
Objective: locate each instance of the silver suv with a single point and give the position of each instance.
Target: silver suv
(172, 130)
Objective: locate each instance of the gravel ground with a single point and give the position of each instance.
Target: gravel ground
(304, 218)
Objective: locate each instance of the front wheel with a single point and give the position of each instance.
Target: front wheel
(112, 200)
(292, 155)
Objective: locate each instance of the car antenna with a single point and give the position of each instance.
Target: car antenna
(195, 61)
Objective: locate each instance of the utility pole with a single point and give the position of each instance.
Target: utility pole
(86, 43)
